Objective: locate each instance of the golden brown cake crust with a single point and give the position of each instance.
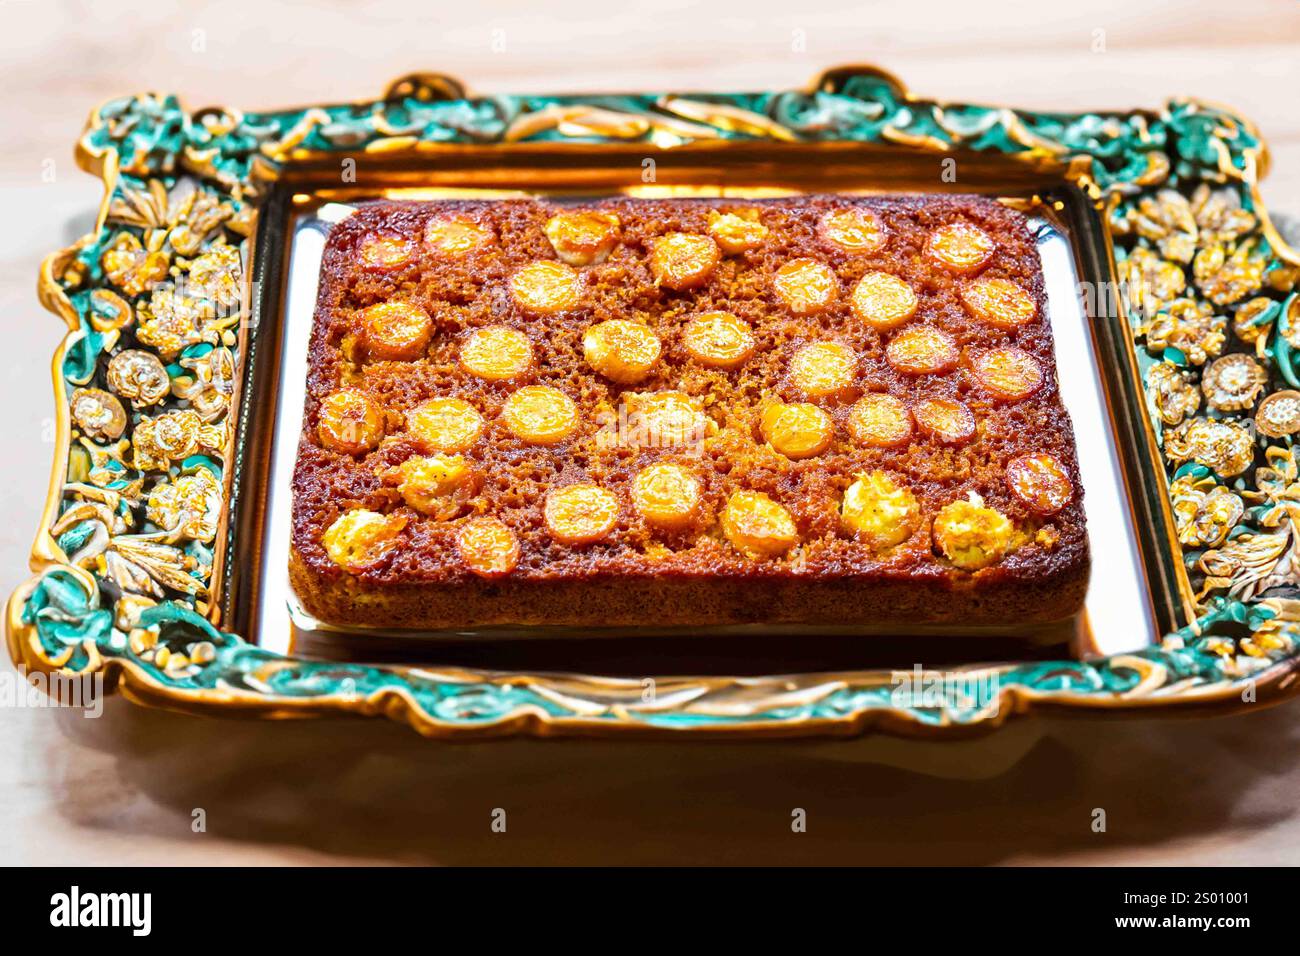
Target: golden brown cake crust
(641, 574)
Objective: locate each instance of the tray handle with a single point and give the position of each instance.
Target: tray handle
(426, 87)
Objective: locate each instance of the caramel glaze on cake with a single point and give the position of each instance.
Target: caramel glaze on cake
(486, 450)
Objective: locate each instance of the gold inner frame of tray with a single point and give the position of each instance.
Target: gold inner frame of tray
(713, 170)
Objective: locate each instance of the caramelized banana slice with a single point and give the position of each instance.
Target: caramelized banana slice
(946, 421)
(883, 301)
(805, 286)
(360, 538)
(1009, 374)
(488, 547)
(879, 511)
(718, 340)
(922, 350)
(999, 302)
(540, 415)
(445, 424)
(396, 331)
(853, 230)
(797, 431)
(455, 236)
(666, 419)
(580, 514)
(880, 421)
(436, 485)
(972, 535)
(497, 353)
(666, 495)
(350, 422)
(381, 253)
(824, 369)
(757, 526)
(960, 247)
(1040, 482)
(738, 231)
(683, 260)
(546, 287)
(622, 351)
(583, 238)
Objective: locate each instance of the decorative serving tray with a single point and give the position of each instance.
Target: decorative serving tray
(156, 563)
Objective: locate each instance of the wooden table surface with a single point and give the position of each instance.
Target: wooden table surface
(125, 788)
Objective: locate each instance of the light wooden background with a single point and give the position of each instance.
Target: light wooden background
(124, 788)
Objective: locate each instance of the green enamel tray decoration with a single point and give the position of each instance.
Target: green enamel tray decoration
(127, 563)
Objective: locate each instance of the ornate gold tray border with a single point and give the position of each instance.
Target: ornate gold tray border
(149, 407)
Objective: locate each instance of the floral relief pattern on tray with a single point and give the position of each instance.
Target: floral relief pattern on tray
(127, 560)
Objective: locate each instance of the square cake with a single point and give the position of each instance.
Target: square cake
(818, 410)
